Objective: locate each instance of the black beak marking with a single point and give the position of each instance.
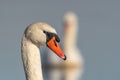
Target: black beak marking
(50, 35)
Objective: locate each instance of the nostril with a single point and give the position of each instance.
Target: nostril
(55, 43)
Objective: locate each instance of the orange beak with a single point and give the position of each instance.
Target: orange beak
(54, 46)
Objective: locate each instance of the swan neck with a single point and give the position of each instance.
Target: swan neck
(31, 60)
(70, 38)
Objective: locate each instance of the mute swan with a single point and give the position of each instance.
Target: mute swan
(72, 68)
(36, 35)
(74, 63)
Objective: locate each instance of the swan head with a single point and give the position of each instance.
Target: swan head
(70, 18)
(44, 34)
(70, 21)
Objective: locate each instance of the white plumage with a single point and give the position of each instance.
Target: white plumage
(35, 35)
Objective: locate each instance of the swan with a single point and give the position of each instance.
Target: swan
(72, 68)
(36, 35)
(75, 62)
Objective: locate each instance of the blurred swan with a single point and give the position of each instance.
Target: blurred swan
(74, 64)
(72, 68)
(36, 35)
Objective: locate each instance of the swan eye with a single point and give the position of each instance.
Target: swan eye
(44, 31)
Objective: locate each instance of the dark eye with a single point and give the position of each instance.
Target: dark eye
(48, 34)
(44, 31)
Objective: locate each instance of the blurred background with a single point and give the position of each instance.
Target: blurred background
(98, 34)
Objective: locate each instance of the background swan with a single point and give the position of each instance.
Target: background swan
(74, 64)
(72, 68)
(35, 35)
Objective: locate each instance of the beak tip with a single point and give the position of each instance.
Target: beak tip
(64, 57)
